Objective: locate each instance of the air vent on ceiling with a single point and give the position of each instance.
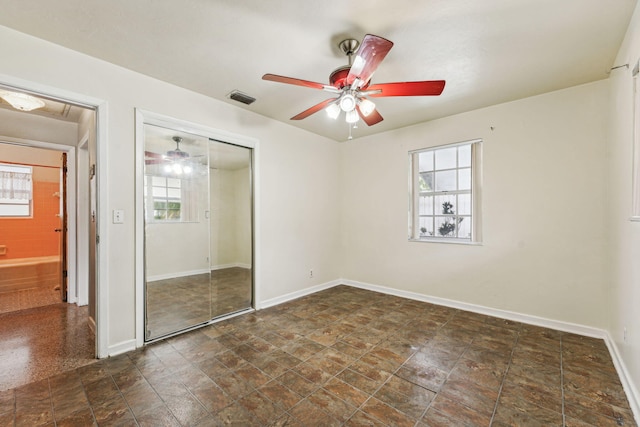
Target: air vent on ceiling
(236, 95)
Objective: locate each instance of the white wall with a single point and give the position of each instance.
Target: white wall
(543, 184)
(37, 128)
(624, 249)
(176, 249)
(292, 164)
(230, 218)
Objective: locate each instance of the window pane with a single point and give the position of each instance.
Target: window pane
(159, 214)
(173, 182)
(445, 204)
(426, 181)
(425, 161)
(446, 180)
(173, 214)
(426, 226)
(445, 227)
(158, 181)
(446, 158)
(464, 179)
(173, 193)
(159, 192)
(464, 156)
(426, 205)
(464, 227)
(464, 204)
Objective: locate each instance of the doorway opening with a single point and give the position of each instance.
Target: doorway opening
(66, 132)
(33, 210)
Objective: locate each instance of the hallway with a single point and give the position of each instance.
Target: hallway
(44, 341)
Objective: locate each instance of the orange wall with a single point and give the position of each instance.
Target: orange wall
(34, 237)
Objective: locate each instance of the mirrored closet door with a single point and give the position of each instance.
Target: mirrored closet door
(198, 206)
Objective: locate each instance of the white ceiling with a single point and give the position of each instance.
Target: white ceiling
(488, 51)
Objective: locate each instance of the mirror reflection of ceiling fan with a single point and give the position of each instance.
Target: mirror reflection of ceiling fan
(174, 162)
(352, 83)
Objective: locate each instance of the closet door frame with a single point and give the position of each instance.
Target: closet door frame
(143, 117)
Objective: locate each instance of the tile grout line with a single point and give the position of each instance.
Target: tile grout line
(504, 378)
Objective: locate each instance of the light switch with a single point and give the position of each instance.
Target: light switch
(118, 216)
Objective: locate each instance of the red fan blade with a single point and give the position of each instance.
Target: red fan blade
(306, 113)
(298, 82)
(425, 88)
(373, 117)
(152, 154)
(370, 54)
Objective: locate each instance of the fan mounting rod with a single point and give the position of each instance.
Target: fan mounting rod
(349, 47)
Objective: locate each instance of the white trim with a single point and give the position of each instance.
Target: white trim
(122, 347)
(633, 395)
(176, 275)
(297, 294)
(494, 312)
(232, 265)
(102, 249)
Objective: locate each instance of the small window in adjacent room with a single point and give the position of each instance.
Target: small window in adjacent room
(445, 193)
(171, 198)
(16, 189)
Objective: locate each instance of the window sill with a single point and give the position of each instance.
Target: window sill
(635, 219)
(450, 241)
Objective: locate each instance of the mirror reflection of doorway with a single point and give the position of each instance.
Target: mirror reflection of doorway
(197, 230)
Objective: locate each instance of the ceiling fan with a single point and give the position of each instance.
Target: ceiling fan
(352, 83)
(175, 161)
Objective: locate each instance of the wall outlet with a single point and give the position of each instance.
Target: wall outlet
(310, 274)
(118, 216)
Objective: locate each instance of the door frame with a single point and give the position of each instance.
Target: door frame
(72, 197)
(146, 117)
(102, 184)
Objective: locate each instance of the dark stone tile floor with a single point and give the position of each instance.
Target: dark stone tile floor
(341, 357)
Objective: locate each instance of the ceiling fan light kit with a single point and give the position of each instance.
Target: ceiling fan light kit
(352, 83)
(176, 162)
(22, 101)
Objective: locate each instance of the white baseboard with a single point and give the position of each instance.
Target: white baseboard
(627, 383)
(297, 294)
(177, 274)
(232, 265)
(121, 347)
(494, 312)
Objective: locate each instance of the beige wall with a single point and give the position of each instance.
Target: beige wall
(624, 248)
(543, 252)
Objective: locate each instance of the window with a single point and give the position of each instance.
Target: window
(445, 193)
(171, 199)
(16, 190)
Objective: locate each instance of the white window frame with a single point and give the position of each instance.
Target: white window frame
(475, 192)
(186, 199)
(15, 207)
